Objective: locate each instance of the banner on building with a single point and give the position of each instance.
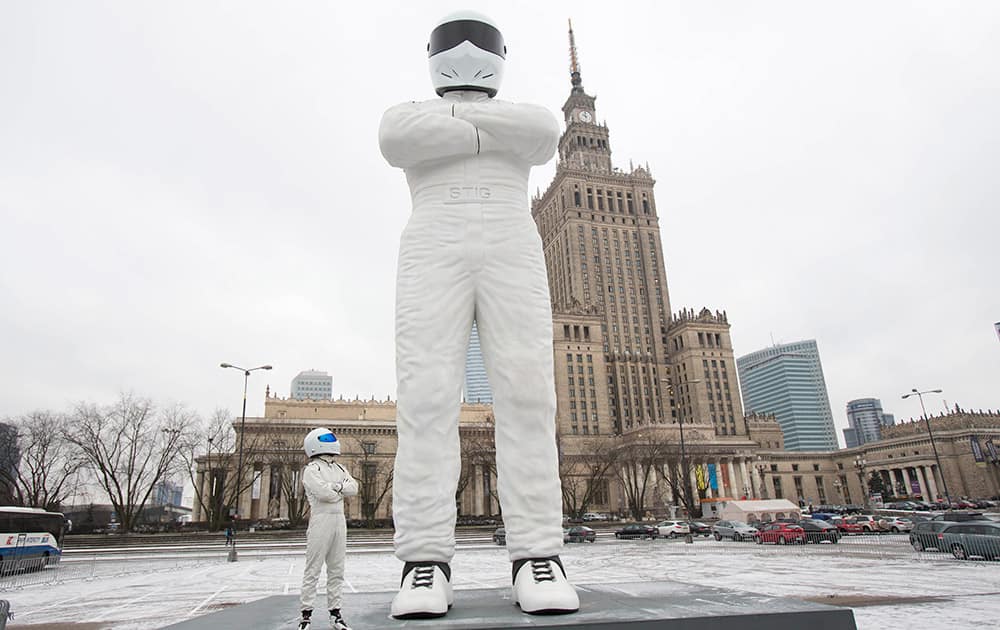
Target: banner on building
(699, 477)
(977, 451)
(255, 492)
(713, 477)
(915, 487)
(992, 450)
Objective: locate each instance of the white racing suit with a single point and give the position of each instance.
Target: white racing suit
(326, 483)
(471, 250)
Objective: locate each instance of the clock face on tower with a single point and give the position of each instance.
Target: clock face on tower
(585, 117)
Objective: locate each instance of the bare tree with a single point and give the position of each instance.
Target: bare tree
(211, 448)
(287, 459)
(130, 447)
(584, 476)
(636, 468)
(478, 451)
(374, 478)
(676, 474)
(48, 464)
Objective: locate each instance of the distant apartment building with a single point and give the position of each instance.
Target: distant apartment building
(477, 386)
(312, 385)
(866, 419)
(787, 380)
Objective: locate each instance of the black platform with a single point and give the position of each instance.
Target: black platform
(634, 606)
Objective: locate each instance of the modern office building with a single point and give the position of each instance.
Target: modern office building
(477, 386)
(787, 380)
(166, 493)
(312, 385)
(865, 419)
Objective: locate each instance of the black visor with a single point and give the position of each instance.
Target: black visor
(451, 34)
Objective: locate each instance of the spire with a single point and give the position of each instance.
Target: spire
(574, 63)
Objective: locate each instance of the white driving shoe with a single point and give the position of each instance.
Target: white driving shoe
(425, 591)
(541, 587)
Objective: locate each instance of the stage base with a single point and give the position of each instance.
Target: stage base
(633, 606)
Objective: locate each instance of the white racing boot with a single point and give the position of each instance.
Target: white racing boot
(336, 621)
(541, 587)
(425, 591)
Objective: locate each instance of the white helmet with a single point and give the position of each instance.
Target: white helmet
(321, 441)
(466, 52)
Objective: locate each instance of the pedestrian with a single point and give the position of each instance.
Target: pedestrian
(326, 483)
(229, 535)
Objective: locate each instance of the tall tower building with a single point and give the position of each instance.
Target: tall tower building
(601, 237)
(865, 419)
(312, 385)
(787, 381)
(477, 386)
(704, 372)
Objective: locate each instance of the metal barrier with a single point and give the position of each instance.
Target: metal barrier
(36, 572)
(882, 546)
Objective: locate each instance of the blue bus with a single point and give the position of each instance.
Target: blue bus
(30, 538)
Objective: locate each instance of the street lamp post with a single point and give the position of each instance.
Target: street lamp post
(239, 466)
(685, 471)
(860, 464)
(930, 434)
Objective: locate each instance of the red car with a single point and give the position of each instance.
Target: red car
(845, 526)
(780, 534)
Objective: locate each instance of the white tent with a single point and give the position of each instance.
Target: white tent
(759, 510)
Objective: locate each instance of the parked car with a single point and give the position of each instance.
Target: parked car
(819, 531)
(847, 526)
(700, 529)
(895, 524)
(822, 516)
(737, 530)
(579, 534)
(925, 535)
(500, 536)
(781, 533)
(637, 530)
(958, 517)
(867, 522)
(673, 529)
(971, 538)
(592, 516)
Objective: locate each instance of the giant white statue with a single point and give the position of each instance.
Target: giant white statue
(471, 251)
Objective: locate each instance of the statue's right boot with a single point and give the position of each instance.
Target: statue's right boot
(424, 592)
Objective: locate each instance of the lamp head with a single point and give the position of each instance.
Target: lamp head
(225, 365)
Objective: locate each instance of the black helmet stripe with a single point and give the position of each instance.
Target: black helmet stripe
(451, 34)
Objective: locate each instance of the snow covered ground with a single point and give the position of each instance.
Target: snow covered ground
(140, 591)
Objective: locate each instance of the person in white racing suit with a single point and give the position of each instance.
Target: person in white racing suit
(326, 483)
(471, 251)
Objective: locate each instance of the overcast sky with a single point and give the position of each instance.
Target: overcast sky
(187, 183)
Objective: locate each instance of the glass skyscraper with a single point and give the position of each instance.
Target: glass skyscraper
(866, 419)
(787, 381)
(477, 387)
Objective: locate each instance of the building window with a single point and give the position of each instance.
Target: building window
(368, 448)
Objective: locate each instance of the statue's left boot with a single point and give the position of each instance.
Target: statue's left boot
(541, 587)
